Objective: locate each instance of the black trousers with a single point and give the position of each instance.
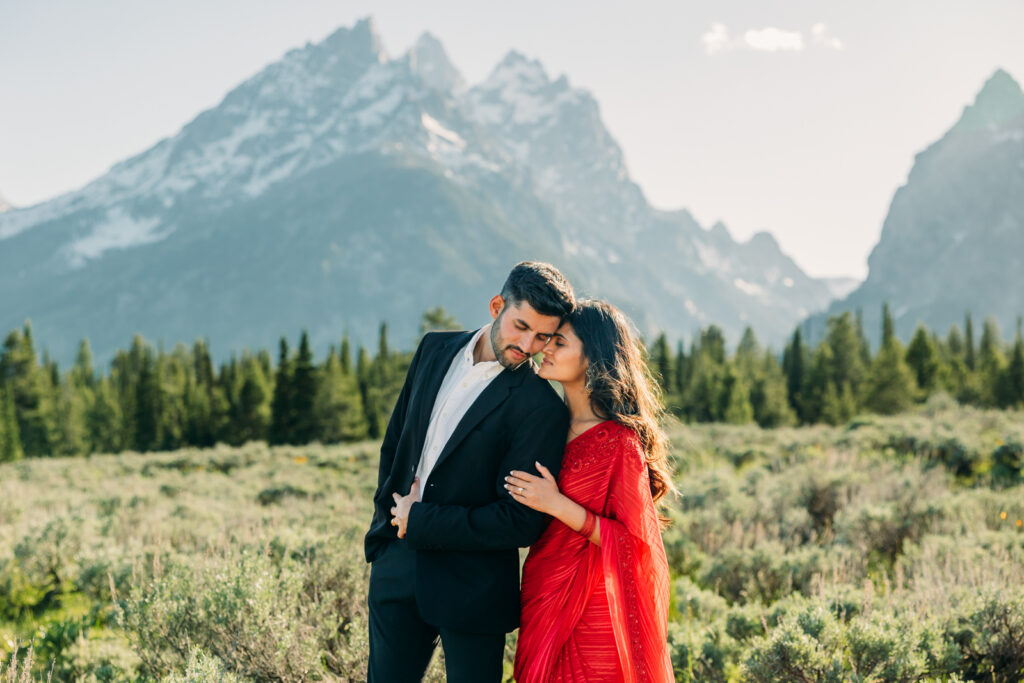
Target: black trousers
(401, 643)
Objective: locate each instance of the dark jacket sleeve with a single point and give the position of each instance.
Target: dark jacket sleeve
(397, 421)
(504, 523)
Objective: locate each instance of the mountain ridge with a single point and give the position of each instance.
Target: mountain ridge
(338, 159)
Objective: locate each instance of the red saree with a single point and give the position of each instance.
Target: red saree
(597, 614)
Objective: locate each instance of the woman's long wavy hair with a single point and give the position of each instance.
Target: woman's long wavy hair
(620, 384)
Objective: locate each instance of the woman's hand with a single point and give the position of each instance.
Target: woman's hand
(540, 493)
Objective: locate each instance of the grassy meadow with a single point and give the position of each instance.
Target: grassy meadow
(884, 549)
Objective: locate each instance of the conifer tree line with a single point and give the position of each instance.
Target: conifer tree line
(840, 376)
(152, 400)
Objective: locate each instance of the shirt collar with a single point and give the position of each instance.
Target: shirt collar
(487, 368)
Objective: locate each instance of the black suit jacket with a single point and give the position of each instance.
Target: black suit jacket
(467, 530)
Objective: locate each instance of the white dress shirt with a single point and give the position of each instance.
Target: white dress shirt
(462, 385)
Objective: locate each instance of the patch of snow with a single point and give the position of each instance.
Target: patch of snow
(788, 282)
(118, 231)
(748, 288)
(262, 179)
(380, 109)
(1011, 135)
(435, 128)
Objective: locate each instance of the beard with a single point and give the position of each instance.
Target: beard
(500, 348)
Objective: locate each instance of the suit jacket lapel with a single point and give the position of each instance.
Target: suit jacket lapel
(491, 397)
(433, 378)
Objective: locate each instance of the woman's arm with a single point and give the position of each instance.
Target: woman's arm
(542, 494)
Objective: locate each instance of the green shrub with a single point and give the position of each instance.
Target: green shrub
(804, 648)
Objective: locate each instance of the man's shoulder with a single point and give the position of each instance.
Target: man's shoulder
(539, 391)
(439, 338)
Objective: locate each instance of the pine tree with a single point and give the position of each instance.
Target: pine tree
(734, 400)
(253, 414)
(281, 404)
(793, 363)
(345, 355)
(437, 319)
(339, 406)
(969, 358)
(890, 385)
(10, 441)
(923, 359)
(148, 405)
(303, 393)
(1011, 381)
(682, 370)
(768, 395)
(748, 355)
(103, 420)
(888, 325)
(990, 362)
(661, 360)
(30, 387)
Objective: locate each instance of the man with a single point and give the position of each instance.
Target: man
(445, 534)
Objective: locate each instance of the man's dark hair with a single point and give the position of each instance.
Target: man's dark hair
(541, 286)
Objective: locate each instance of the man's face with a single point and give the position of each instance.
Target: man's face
(519, 331)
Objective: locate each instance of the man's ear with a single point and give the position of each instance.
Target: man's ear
(497, 305)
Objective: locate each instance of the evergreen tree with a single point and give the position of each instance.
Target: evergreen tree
(682, 370)
(661, 359)
(969, 358)
(793, 362)
(888, 325)
(148, 405)
(923, 359)
(837, 405)
(345, 355)
(437, 319)
(816, 386)
(103, 420)
(339, 406)
(768, 395)
(10, 441)
(734, 399)
(1011, 382)
(748, 355)
(30, 387)
(955, 341)
(84, 375)
(281, 404)
(865, 347)
(253, 412)
(71, 435)
(303, 392)
(890, 385)
(847, 358)
(991, 361)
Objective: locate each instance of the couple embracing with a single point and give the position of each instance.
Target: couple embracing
(482, 457)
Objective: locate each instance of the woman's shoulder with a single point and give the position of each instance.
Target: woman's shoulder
(625, 442)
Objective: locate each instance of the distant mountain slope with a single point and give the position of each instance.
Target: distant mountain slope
(340, 187)
(954, 237)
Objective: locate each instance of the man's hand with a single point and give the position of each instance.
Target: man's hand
(400, 512)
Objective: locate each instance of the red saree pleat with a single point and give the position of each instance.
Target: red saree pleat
(598, 613)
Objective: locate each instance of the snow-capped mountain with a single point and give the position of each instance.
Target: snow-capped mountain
(953, 240)
(340, 187)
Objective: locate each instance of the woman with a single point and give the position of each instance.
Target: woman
(595, 586)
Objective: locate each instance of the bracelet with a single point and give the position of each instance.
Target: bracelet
(588, 526)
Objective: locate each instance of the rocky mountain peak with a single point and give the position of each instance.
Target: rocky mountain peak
(999, 101)
(430, 61)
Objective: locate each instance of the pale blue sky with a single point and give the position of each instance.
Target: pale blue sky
(809, 144)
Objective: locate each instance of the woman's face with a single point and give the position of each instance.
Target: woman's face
(564, 360)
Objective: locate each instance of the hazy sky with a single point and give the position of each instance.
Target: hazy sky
(800, 118)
